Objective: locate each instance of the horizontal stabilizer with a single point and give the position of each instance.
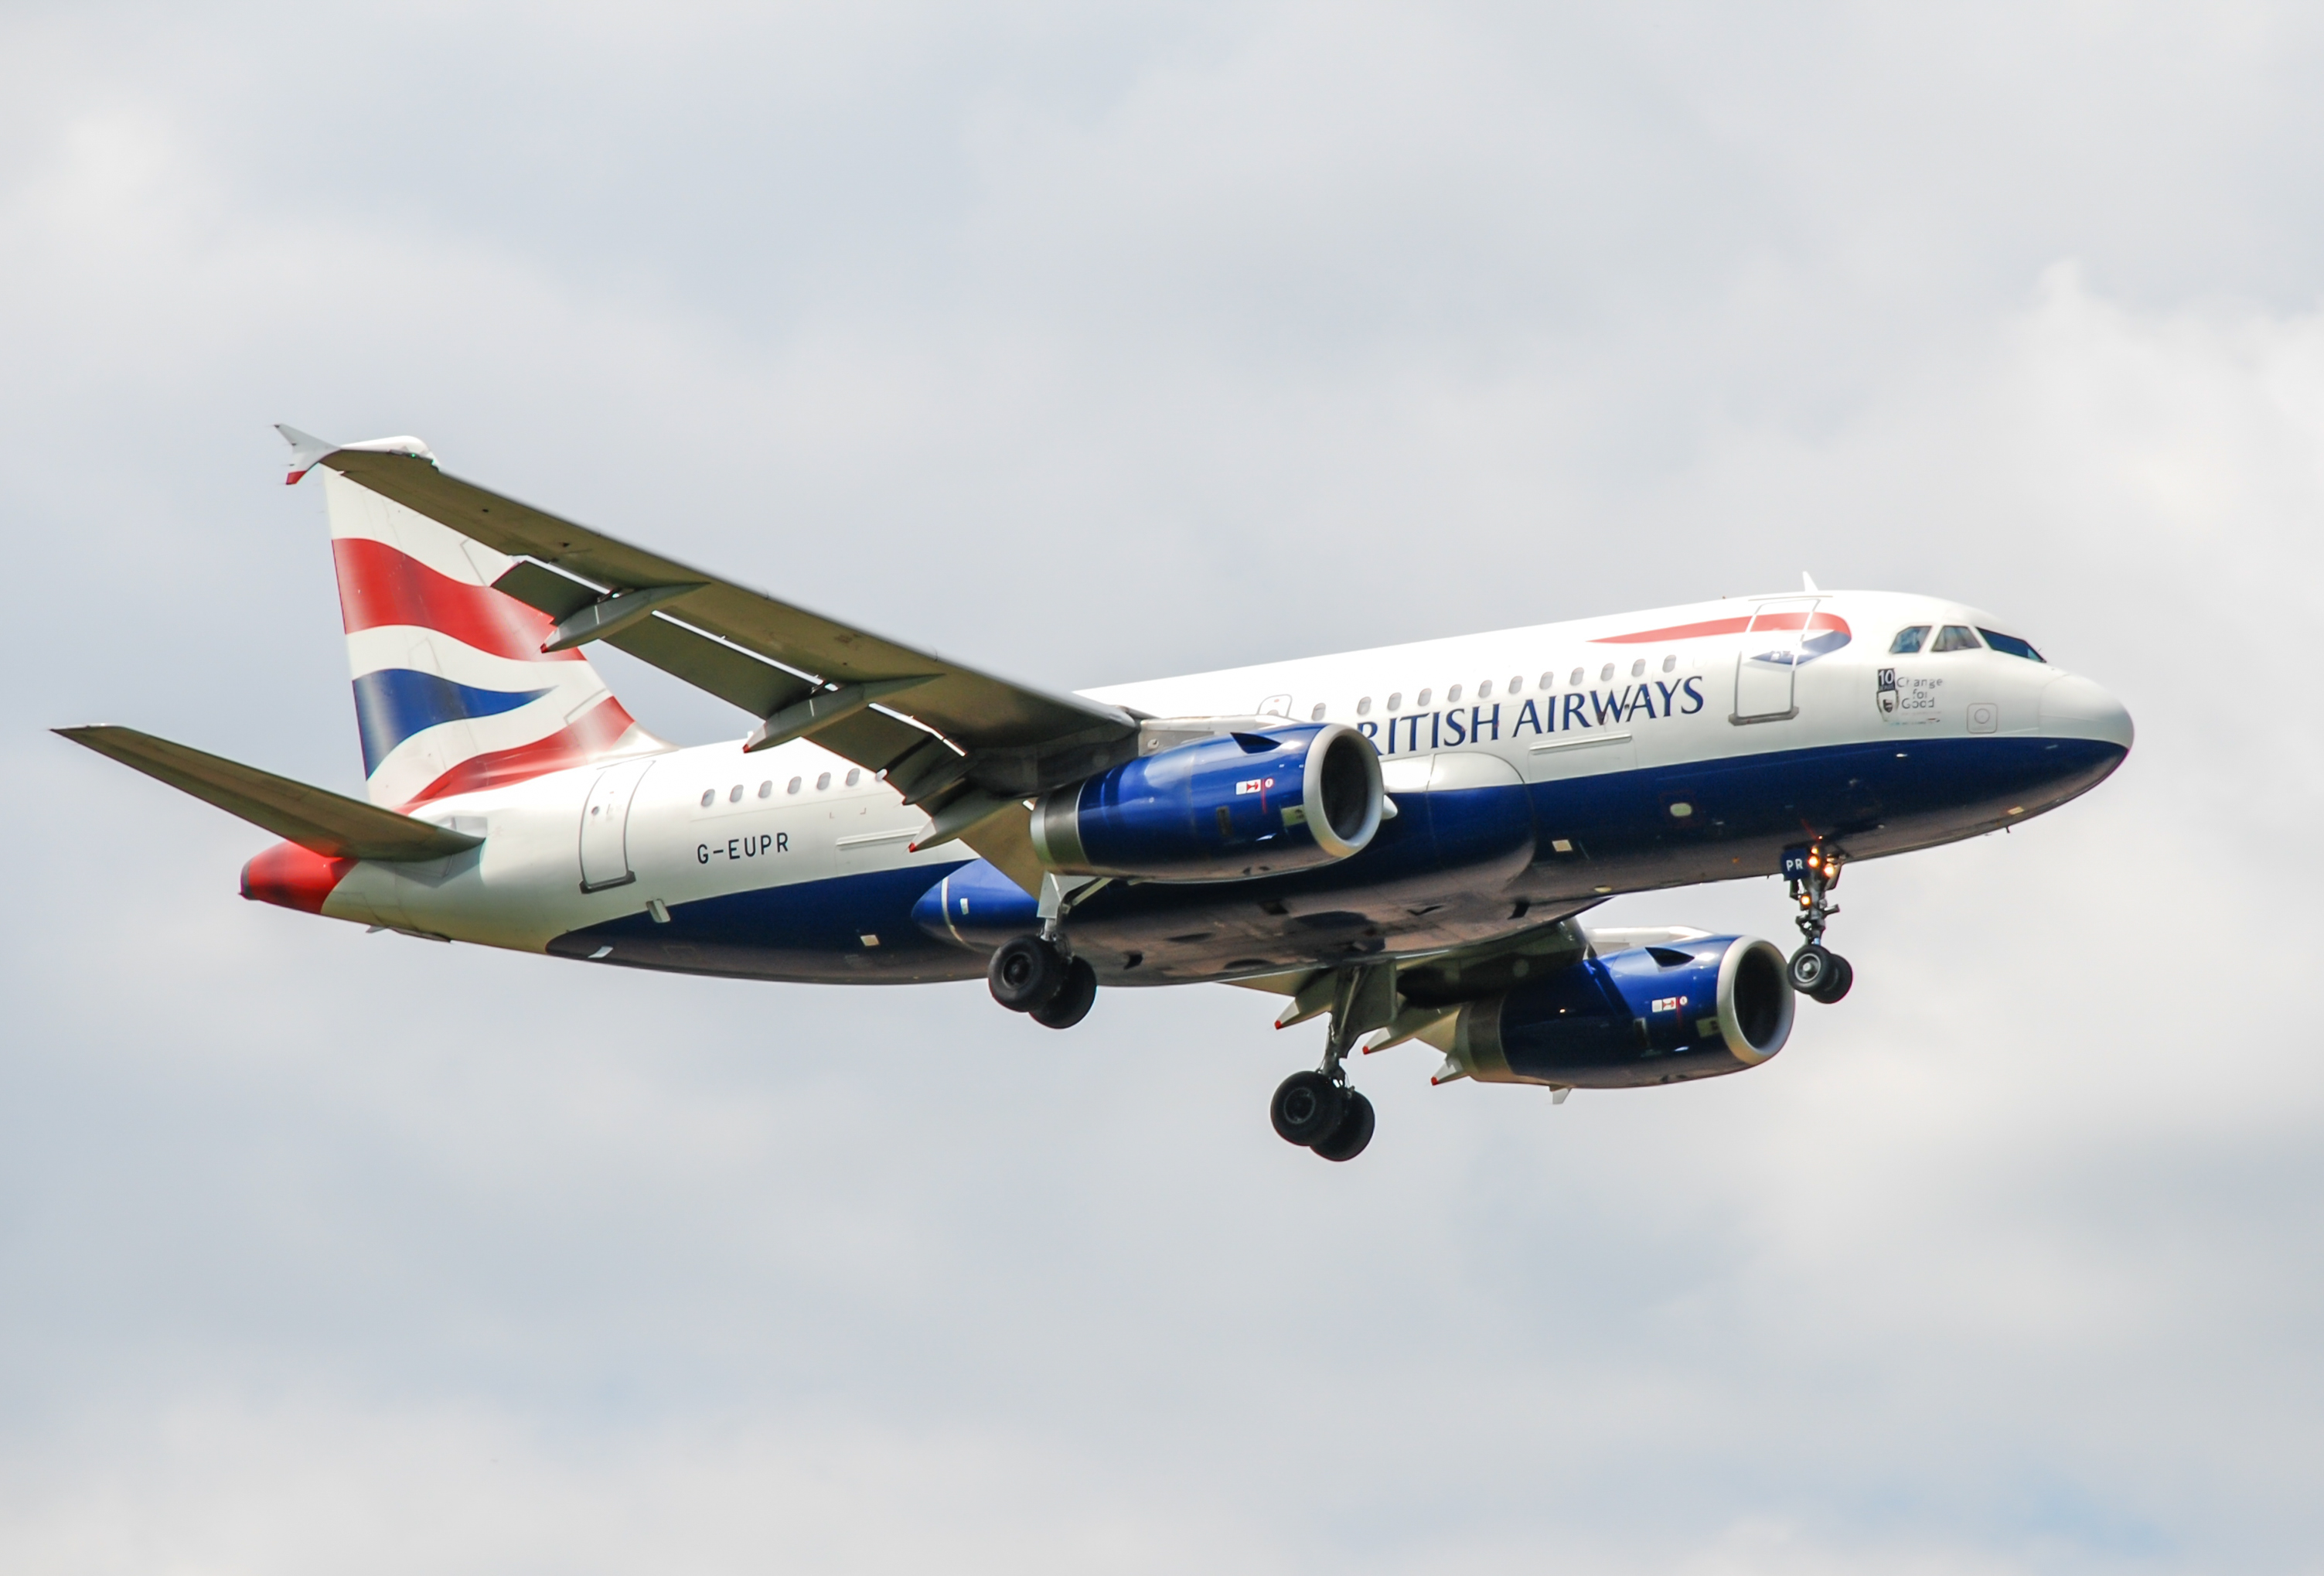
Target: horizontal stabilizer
(330, 824)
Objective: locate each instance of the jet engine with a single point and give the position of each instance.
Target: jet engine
(1645, 1016)
(1222, 808)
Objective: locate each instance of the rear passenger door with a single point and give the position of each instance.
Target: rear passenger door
(606, 825)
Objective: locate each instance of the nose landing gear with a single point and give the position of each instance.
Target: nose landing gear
(1816, 971)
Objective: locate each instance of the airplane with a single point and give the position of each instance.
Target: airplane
(1400, 841)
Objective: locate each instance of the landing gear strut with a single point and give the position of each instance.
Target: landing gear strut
(1816, 971)
(1317, 1109)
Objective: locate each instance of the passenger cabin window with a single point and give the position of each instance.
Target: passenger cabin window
(1517, 684)
(1549, 681)
(1575, 682)
(823, 783)
(1955, 637)
(1669, 661)
(1453, 696)
(1316, 715)
(1638, 669)
(1485, 691)
(709, 796)
(2010, 643)
(1395, 700)
(794, 786)
(1606, 674)
(1364, 707)
(1908, 641)
(854, 777)
(767, 789)
(734, 795)
(1423, 699)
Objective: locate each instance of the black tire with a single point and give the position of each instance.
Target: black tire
(1810, 969)
(1026, 974)
(1836, 982)
(1355, 1130)
(1071, 1002)
(1307, 1107)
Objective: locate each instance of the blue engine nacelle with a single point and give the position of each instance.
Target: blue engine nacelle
(1219, 809)
(1648, 1015)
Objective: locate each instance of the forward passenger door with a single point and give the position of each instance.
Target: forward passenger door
(1768, 660)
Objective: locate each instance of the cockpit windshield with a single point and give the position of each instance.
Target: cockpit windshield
(1955, 637)
(1908, 641)
(2010, 643)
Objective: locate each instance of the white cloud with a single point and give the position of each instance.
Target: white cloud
(1111, 343)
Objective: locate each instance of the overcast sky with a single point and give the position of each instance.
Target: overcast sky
(1098, 343)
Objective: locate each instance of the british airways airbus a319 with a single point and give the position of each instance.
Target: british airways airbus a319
(1399, 840)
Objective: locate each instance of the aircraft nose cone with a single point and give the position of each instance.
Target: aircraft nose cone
(2074, 708)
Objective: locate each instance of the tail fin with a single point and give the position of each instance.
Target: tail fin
(453, 693)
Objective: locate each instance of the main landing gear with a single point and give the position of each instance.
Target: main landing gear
(1033, 976)
(1816, 971)
(1317, 1109)
(1037, 975)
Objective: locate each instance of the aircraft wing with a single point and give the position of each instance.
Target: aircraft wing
(330, 824)
(935, 727)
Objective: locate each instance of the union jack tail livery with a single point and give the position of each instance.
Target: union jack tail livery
(453, 691)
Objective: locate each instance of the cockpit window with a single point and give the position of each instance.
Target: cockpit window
(2010, 643)
(1955, 637)
(1908, 641)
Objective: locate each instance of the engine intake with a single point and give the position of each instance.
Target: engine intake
(1224, 808)
(1646, 1015)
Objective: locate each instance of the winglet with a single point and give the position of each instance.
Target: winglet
(306, 449)
(1807, 584)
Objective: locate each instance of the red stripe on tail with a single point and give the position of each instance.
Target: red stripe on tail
(380, 586)
(596, 732)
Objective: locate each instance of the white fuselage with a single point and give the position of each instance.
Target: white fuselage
(1569, 713)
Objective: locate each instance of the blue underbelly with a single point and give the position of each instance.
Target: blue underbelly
(1451, 866)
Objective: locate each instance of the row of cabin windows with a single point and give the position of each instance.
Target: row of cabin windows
(767, 788)
(1959, 637)
(1485, 690)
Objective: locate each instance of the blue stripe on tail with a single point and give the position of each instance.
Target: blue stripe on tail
(394, 703)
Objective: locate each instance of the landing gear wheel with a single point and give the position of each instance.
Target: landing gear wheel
(1307, 1107)
(1074, 999)
(1026, 974)
(1355, 1130)
(1819, 974)
(1811, 966)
